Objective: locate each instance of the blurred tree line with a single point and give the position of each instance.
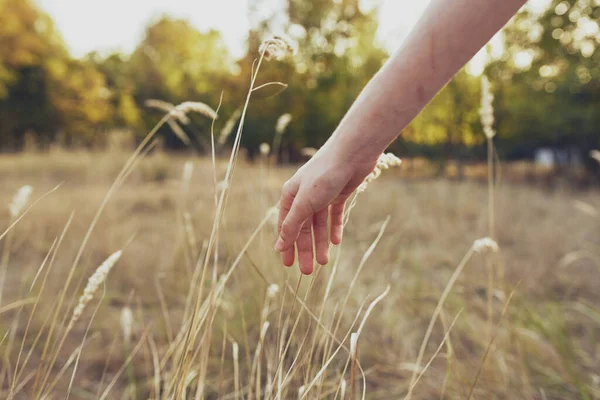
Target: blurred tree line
(546, 83)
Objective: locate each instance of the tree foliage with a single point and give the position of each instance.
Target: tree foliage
(546, 84)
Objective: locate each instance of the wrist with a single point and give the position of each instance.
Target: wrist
(350, 155)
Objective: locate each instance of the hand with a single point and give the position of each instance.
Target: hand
(318, 191)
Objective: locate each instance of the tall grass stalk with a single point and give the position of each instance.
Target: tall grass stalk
(486, 113)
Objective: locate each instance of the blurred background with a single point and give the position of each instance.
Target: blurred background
(73, 72)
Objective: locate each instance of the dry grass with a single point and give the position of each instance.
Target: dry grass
(544, 348)
(412, 306)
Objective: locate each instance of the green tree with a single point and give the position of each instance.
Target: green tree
(28, 44)
(450, 123)
(549, 80)
(337, 55)
(175, 62)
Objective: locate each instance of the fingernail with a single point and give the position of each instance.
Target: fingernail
(279, 245)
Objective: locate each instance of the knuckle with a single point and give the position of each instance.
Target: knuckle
(286, 230)
(305, 228)
(304, 208)
(287, 188)
(320, 222)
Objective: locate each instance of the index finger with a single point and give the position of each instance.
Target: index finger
(295, 216)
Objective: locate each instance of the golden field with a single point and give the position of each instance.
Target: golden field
(534, 335)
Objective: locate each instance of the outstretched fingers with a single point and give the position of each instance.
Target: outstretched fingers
(295, 210)
(304, 244)
(321, 236)
(337, 221)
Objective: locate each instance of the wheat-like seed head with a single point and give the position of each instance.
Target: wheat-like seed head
(127, 324)
(160, 105)
(282, 122)
(228, 127)
(168, 108)
(486, 111)
(197, 107)
(94, 282)
(484, 245)
(20, 200)
(277, 47)
(385, 161)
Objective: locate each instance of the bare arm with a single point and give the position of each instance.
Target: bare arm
(444, 40)
(447, 36)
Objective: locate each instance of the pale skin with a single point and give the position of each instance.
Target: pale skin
(312, 202)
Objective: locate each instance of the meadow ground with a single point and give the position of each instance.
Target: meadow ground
(542, 344)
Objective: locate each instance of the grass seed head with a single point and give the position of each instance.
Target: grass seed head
(486, 111)
(127, 324)
(278, 47)
(228, 127)
(282, 122)
(94, 282)
(265, 149)
(595, 154)
(196, 107)
(385, 161)
(20, 200)
(484, 245)
(168, 108)
(272, 290)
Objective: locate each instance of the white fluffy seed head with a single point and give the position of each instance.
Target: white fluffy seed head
(94, 282)
(385, 161)
(278, 47)
(272, 290)
(282, 122)
(484, 245)
(353, 344)
(486, 112)
(265, 149)
(127, 323)
(20, 200)
(595, 154)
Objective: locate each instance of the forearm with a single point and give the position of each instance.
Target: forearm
(445, 39)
